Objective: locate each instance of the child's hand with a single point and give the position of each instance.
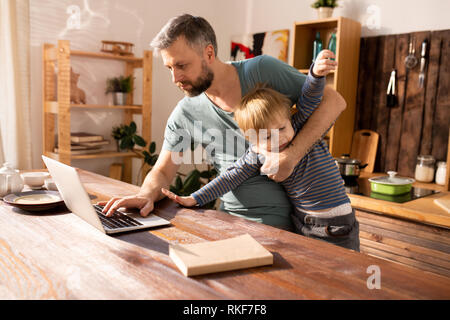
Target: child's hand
(184, 201)
(323, 64)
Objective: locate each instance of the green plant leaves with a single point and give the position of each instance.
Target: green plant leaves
(139, 140)
(127, 137)
(178, 183)
(147, 156)
(131, 129)
(126, 143)
(324, 3)
(119, 84)
(152, 147)
(153, 159)
(191, 183)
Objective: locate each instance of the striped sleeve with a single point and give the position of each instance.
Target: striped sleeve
(318, 184)
(236, 174)
(312, 92)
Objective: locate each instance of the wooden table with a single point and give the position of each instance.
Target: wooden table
(55, 255)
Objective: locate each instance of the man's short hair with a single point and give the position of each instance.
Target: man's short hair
(196, 30)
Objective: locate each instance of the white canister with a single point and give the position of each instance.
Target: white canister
(425, 168)
(441, 172)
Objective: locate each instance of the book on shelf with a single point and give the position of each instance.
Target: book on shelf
(222, 255)
(74, 147)
(82, 151)
(78, 137)
(93, 143)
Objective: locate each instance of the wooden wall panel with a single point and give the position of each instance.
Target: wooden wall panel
(367, 76)
(380, 118)
(396, 113)
(432, 81)
(419, 123)
(442, 113)
(412, 114)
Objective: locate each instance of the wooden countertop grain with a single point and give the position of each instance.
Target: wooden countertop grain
(56, 255)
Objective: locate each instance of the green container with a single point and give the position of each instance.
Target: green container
(390, 189)
(391, 185)
(396, 198)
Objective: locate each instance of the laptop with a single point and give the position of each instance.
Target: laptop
(77, 200)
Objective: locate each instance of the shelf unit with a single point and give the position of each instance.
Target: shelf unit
(57, 108)
(344, 79)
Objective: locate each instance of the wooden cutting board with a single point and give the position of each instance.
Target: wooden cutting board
(444, 203)
(364, 148)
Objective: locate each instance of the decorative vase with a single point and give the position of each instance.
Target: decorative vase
(324, 12)
(120, 98)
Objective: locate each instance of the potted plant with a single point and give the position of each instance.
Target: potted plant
(119, 87)
(324, 7)
(126, 140)
(126, 137)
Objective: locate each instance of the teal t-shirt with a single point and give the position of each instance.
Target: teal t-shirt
(197, 120)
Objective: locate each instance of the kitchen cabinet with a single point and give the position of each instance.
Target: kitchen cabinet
(343, 79)
(57, 107)
(406, 242)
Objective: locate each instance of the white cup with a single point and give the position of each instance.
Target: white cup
(35, 180)
(50, 185)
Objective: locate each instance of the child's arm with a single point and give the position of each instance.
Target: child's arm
(313, 87)
(236, 174)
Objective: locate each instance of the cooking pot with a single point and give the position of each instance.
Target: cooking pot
(391, 185)
(348, 167)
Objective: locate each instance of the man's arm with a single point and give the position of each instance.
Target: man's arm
(159, 177)
(317, 125)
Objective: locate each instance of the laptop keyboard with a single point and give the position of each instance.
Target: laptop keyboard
(117, 220)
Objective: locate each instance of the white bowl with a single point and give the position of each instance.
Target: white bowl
(35, 180)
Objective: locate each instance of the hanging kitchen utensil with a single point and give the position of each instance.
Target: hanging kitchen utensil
(391, 99)
(411, 60)
(423, 63)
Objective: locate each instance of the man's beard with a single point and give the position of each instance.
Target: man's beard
(201, 84)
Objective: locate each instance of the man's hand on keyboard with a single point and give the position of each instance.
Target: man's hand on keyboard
(145, 205)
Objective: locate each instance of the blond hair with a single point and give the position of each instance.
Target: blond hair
(260, 106)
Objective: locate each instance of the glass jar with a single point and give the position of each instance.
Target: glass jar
(441, 172)
(425, 168)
